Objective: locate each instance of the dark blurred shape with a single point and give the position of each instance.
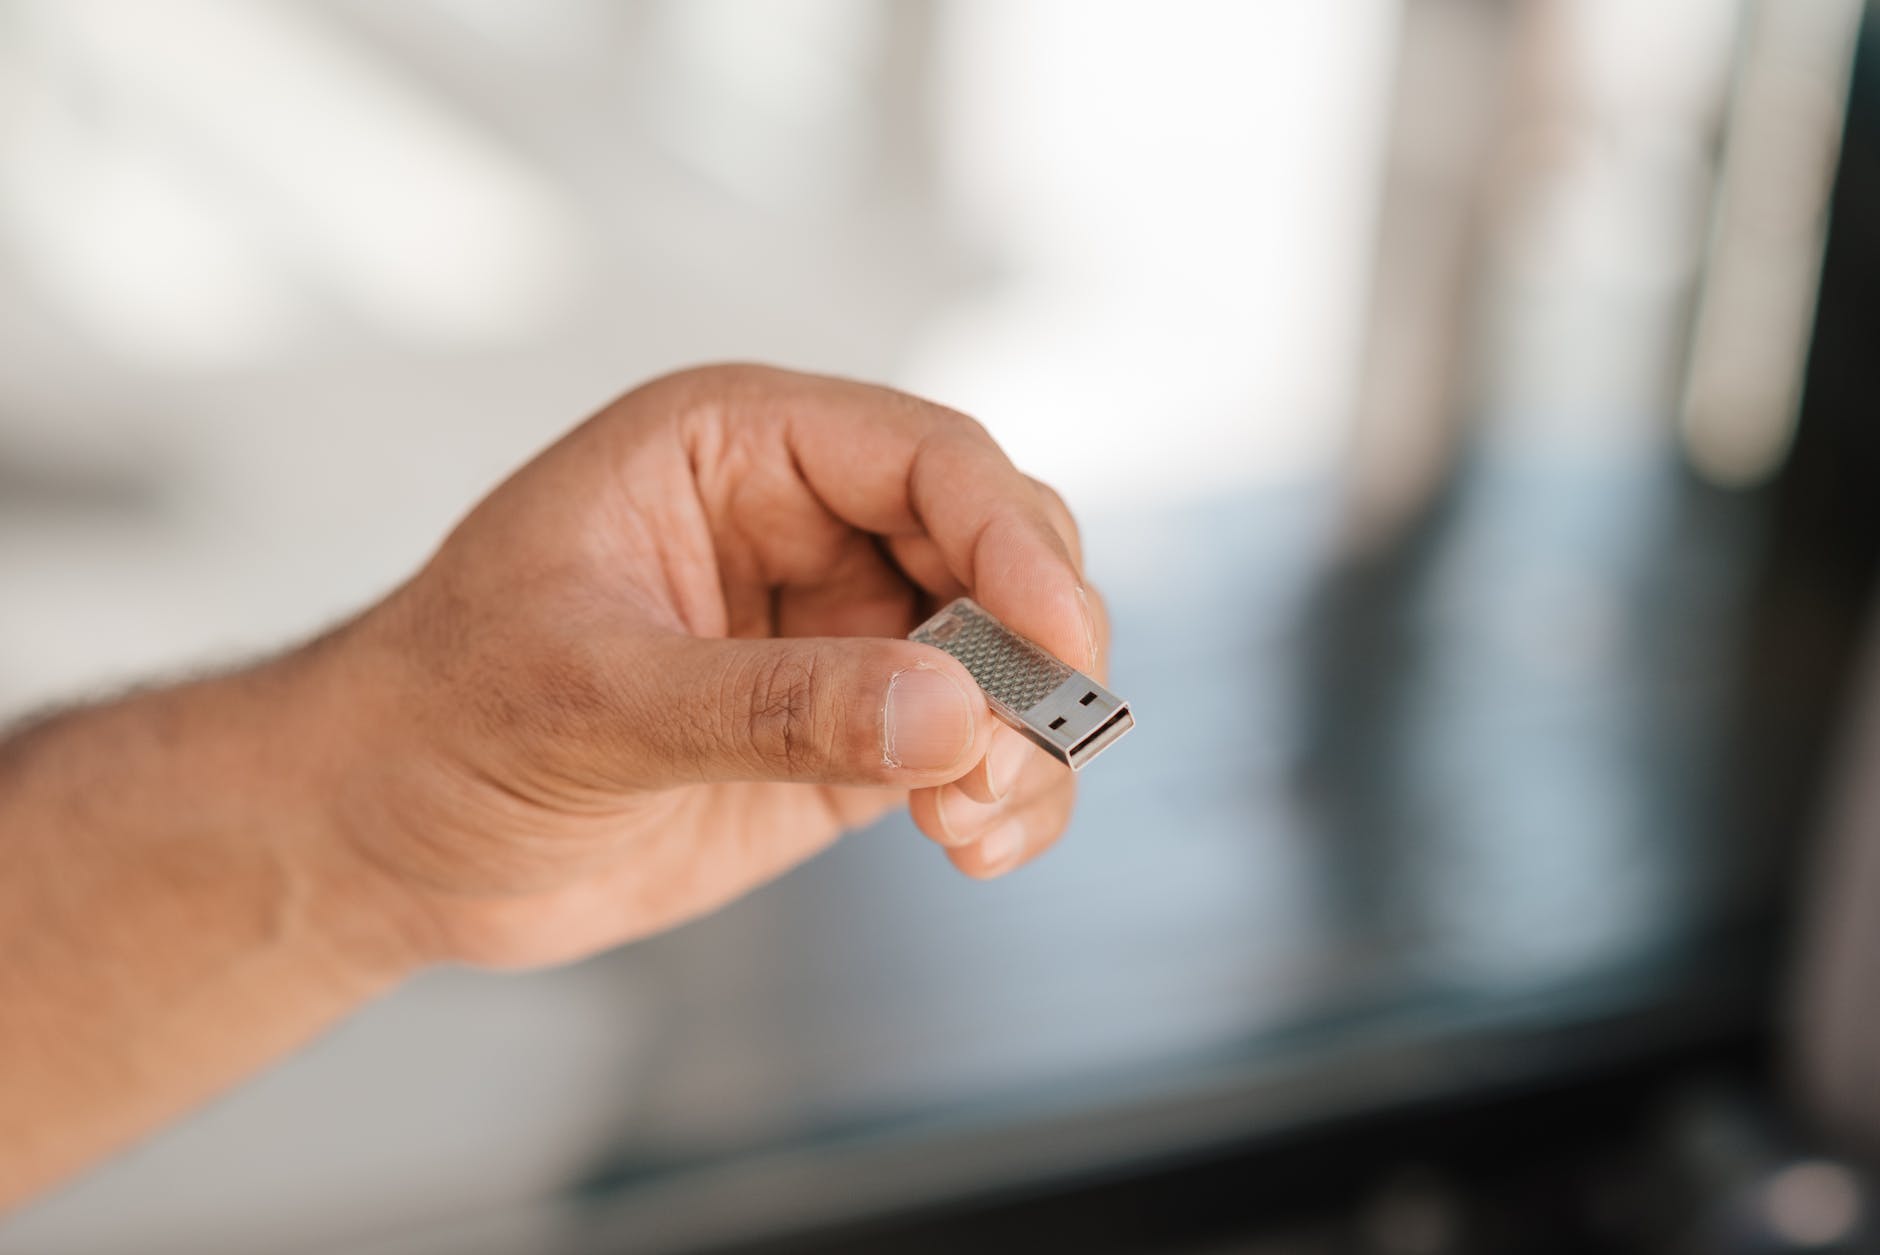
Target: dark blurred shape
(37, 480)
(1829, 536)
(1679, 1157)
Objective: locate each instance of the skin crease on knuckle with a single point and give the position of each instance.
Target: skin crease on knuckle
(783, 724)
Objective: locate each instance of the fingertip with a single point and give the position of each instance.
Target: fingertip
(1092, 650)
(934, 723)
(918, 656)
(924, 808)
(993, 855)
(1024, 574)
(1049, 608)
(994, 776)
(1098, 611)
(977, 783)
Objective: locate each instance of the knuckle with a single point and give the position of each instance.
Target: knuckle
(1054, 502)
(724, 376)
(783, 725)
(944, 425)
(975, 435)
(711, 397)
(971, 429)
(1058, 513)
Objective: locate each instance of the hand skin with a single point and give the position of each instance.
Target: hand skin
(659, 666)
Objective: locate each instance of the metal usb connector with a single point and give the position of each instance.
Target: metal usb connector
(1058, 708)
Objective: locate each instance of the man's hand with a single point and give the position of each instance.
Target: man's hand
(665, 662)
(657, 667)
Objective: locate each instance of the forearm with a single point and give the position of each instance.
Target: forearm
(170, 918)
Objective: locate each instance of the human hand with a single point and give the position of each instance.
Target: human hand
(664, 663)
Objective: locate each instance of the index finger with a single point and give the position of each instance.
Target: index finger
(892, 464)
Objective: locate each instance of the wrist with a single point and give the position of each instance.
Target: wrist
(325, 697)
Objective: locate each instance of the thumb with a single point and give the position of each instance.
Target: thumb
(829, 710)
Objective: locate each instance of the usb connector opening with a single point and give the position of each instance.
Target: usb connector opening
(1075, 721)
(1094, 744)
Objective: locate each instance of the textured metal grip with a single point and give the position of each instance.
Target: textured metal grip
(1060, 709)
(1010, 668)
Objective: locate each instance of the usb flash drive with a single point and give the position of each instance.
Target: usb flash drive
(1058, 708)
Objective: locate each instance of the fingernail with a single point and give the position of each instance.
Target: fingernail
(1004, 761)
(1090, 627)
(1001, 847)
(926, 722)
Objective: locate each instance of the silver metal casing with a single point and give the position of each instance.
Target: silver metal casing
(1058, 708)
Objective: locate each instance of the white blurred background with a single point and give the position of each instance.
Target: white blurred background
(294, 283)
